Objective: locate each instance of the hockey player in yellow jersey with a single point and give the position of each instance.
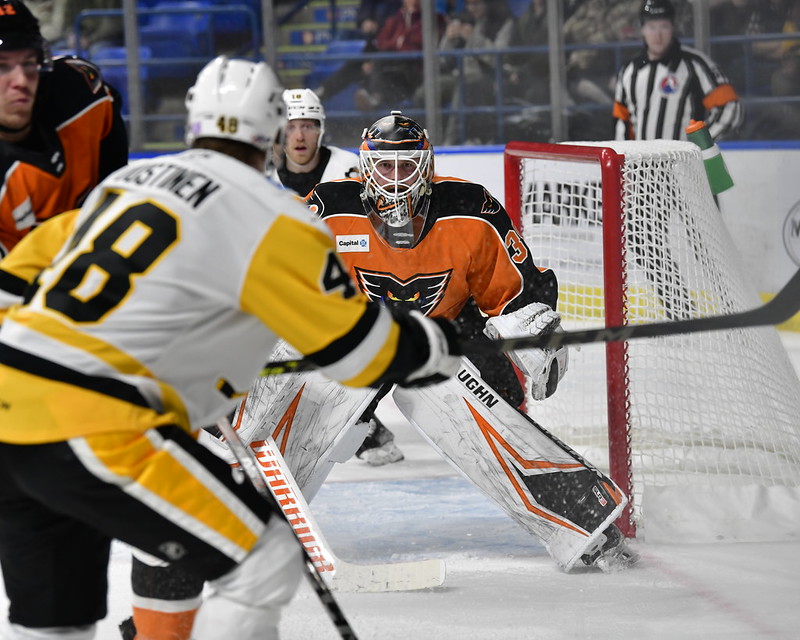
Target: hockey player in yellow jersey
(152, 320)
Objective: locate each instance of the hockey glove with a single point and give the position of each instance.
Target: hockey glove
(444, 354)
(543, 368)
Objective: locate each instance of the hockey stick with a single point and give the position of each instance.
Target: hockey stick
(340, 575)
(343, 576)
(248, 463)
(782, 307)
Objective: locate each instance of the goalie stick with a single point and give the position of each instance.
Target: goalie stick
(782, 307)
(341, 576)
(247, 462)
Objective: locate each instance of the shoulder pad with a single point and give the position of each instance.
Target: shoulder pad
(460, 197)
(90, 72)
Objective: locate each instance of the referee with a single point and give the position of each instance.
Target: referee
(666, 85)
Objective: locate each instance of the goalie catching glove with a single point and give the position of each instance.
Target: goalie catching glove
(543, 368)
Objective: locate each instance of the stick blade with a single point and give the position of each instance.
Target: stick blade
(381, 578)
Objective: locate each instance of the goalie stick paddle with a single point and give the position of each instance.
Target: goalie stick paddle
(782, 307)
(341, 575)
(248, 463)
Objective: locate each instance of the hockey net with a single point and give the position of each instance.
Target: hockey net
(702, 430)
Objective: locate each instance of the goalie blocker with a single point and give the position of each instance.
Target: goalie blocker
(537, 480)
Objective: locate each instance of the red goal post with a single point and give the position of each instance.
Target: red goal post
(633, 235)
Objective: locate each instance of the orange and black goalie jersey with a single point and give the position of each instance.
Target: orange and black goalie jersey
(78, 138)
(468, 248)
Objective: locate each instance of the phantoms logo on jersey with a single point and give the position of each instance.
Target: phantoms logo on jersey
(423, 292)
(350, 244)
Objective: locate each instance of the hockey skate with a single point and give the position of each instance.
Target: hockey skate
(378, 447)
(610, 553)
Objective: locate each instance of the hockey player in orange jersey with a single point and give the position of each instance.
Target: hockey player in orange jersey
(61, 131)
(442, 245)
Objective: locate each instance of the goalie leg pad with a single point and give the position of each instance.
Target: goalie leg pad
(313, 420)
(537, 480)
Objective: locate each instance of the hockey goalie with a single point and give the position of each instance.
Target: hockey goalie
(442, 247)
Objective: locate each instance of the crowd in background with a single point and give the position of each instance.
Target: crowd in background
(600, 36)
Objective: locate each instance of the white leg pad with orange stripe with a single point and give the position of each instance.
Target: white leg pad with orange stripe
(313, 420)
(536, 479)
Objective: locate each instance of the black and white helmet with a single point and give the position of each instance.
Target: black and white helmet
(656, 10)
(236, 100)
(19, 29)
(400, 205)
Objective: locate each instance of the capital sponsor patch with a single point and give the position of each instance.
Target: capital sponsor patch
(351, 244)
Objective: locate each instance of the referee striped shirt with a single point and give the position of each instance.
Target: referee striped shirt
(657, 98)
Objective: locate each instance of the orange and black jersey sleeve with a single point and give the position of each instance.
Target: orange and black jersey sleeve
(468, 248)
(78, 138)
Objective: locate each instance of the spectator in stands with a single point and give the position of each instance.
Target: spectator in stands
(529, 73)
(747, 17)
(493, 20)
(666, 85)
(465, 80)
(370, 17)
(57, 20)
(781, 120)
(394, 80)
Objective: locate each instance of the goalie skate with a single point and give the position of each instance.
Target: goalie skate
(378, 447)
(611, 553)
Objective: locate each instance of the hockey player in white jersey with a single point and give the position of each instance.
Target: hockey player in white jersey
(303, 160)
(432, 243)
(173, 285)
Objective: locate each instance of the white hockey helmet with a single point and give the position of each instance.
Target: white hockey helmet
(236, 100)
(304, 104)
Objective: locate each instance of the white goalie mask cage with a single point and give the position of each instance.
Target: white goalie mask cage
(236, 100)
(398, 203)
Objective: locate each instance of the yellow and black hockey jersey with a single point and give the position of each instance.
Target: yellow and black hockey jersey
(468, 248)
(78, 138)
(168, 297)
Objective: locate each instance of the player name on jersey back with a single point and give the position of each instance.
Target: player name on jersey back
(191, 186)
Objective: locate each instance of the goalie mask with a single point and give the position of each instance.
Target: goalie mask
(236, 100)
(396, 163)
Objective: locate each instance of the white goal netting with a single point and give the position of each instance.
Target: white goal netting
(706, 426)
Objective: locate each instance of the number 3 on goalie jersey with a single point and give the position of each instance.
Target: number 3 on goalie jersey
(96, 282)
